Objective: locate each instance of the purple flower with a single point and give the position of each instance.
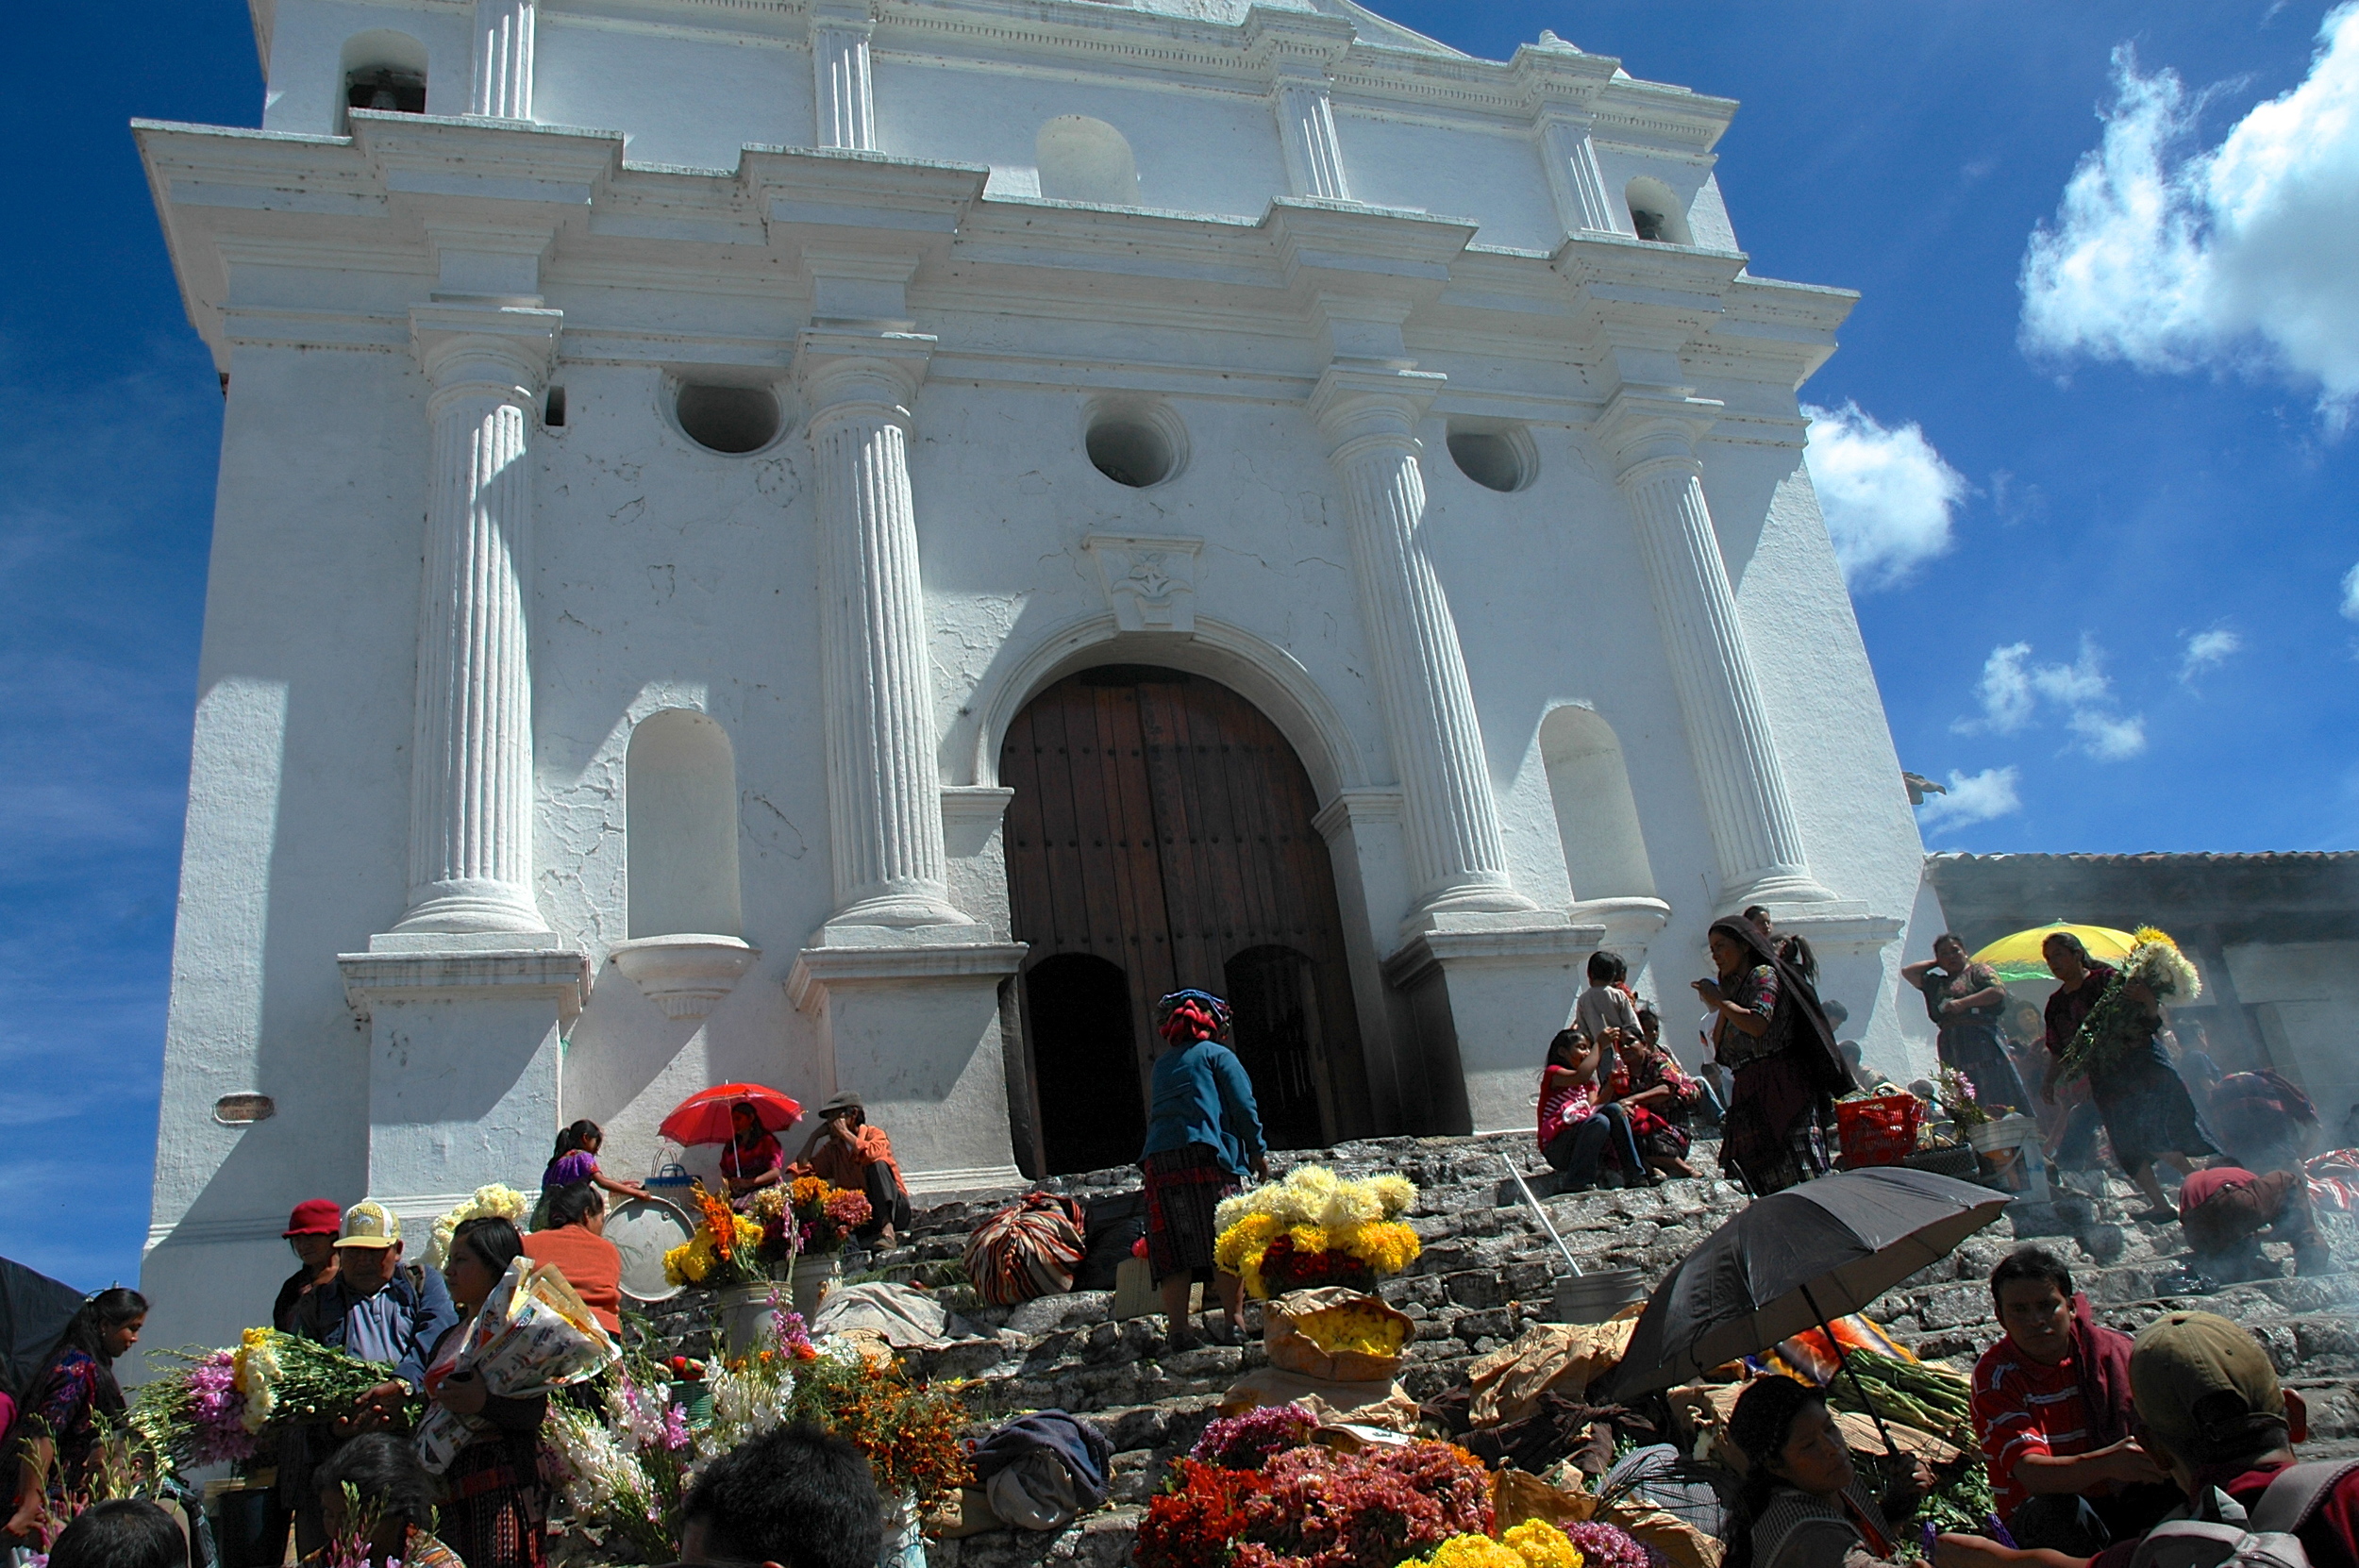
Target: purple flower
(1247, 1441)
(1604, 1545)
(676, 1427)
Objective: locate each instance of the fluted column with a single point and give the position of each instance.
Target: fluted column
(1449, 818)
(504, 36)
(471, 761)
(843, 101)
(884, 793)
(1652, 439)
(1579, 185)
(1306, 130)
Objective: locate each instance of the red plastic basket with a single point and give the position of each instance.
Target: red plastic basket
(1881, 1131)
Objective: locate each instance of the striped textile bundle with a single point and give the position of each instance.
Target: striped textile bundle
(1031, 1248)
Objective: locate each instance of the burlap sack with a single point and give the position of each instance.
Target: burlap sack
(1291, 1349)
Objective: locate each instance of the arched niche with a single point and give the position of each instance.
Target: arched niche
(1083, 159)
(1656, 212)
(681, 805)
(1597, 816)
(381, 70)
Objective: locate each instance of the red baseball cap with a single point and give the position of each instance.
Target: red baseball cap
(315, 1217)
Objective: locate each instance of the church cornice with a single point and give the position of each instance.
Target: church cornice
(616, 236)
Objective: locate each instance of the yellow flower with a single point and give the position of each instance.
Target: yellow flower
(1246, 1238)
(1387, 1246)
(1359, 1327)
(2145, 934)
(1308, 1238)
(1350, 1204)
(1541, 1544)
(1393, 1193)
(1470, 1551)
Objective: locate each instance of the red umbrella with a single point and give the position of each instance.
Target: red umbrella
(704, 1116)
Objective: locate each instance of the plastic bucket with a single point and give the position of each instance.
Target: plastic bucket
(2008, 1151)
(1595, 1296)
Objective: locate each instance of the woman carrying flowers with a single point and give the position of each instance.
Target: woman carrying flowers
(496, 1512)
(1203, 1134)
(56, 1435)
(2106, 1030)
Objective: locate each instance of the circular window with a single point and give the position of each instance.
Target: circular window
(1135, 445)
(1496, 459)
(727, 419)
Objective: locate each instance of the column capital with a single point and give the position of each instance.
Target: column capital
(1295, 46)
(855, 15)
(1642, 426)
(1351, 404)
(844, 371)
(509, 347)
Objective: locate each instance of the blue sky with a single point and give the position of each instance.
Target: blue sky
(2099, 532)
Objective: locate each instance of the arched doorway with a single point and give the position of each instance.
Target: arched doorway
(1161, 829)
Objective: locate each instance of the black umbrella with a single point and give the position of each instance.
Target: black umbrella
(1795, 1260)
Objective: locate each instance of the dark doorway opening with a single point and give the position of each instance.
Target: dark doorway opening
(1162, 827)
(1084, 1062)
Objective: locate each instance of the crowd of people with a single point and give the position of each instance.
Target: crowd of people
(353, 1287)
(2091, 1439)
(2097, 1444)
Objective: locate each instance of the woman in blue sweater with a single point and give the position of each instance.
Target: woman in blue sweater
(1203, 1136)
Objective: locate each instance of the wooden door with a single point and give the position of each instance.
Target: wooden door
(1162, 826)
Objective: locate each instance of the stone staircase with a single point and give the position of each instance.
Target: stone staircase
(1488, 1272)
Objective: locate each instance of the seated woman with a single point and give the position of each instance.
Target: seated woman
(396, 1498)
(1649, 1088)
(752, 1160)
(496, 1509)
(1803, 1505)
(575, 1241)
(575, 1159)
(1574, 1126)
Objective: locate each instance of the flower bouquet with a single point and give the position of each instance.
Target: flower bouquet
(494, 1202)
(1534, 1544)
(2120, 1024)
(624, 1470)
(808, 1215)
(1314, 1229)
(215, 1405)
(1311, 1507)
(532, 1337)
(909, 1433)
(1955, 1093)
(726, 1249)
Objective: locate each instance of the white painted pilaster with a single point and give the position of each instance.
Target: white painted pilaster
(884, 796)
(1306, 130)
(843, 100)
(471, 761)
(1450, 820)
(1651, 438)
(1577, 184)
(504, 38)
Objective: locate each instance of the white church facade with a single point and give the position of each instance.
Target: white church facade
(853, 543)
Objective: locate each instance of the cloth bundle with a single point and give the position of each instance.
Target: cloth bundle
(532, 1337)
(1031, 1248)
(1040, 1470)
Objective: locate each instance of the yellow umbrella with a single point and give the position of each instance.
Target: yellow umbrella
(2018, 956)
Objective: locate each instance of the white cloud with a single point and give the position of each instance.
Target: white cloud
(2350, 594)
(2005, 690)
(2208, 648)
(2109, 737)
(2012, 689)
(2171, 257)
(1886, 493)
(1973, 797)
